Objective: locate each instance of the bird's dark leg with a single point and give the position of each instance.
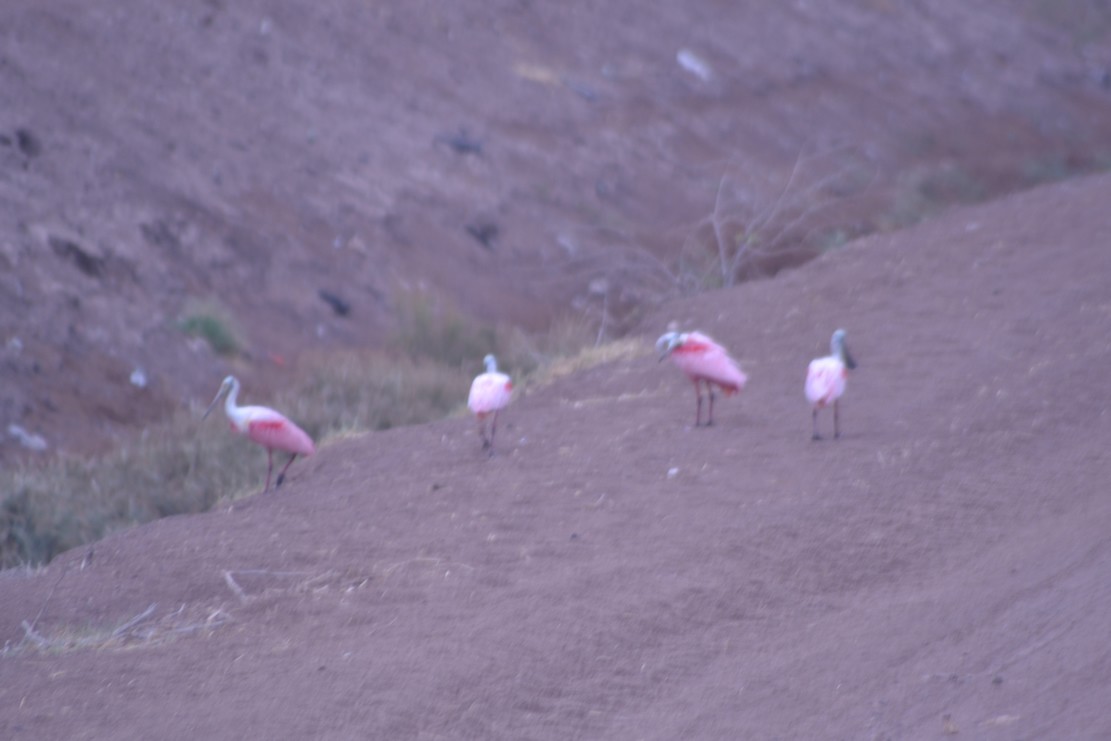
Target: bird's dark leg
(482, 432)
(836, 421)
(710, 417)
(698, 407)
(493, 431)
(269, 468)
(814, 417)
(281, 476)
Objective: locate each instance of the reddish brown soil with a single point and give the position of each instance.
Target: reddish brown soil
(256, 153)
(941, 569)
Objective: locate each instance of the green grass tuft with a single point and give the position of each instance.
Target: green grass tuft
(211, 323)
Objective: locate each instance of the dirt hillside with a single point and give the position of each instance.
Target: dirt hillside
(614, 573)
(305, 169)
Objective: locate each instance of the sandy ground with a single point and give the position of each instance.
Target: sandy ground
(615, 573)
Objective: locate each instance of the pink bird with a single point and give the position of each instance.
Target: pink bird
(270, 429)
(704, 361)
(490, 393)
(826, 378)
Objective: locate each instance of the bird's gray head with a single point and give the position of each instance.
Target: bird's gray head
(228, 384)
(491, 364)
(840, 349)
(668, 342)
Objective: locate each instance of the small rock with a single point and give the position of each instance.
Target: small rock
(484, 232)
(567, 244)
(28, 143)
(599, 287)
(694, 64)
(27, 439)
(672, 472)
(339, 306)
(87, 259)
(139, 378)
(461, 143)
(948, 727)
(582, 90)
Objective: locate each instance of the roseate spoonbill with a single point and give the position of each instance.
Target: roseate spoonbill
(270, 429)
(826, 378)
(490, 393)
(704, 361)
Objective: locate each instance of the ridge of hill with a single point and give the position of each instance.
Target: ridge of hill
(614, 573)
(302, 170)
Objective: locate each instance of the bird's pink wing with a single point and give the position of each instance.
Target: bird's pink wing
(702, 358)
(272, 430)
(825, 381)
(489, 393)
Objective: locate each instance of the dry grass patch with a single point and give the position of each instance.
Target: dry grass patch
(352, 391)
(186, 466)
(588, 357)
(148, 628)
(171, 469)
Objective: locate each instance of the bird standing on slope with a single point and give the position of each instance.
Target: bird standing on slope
(490, 393)
(826, 378)
(704, 361)
(266, 427)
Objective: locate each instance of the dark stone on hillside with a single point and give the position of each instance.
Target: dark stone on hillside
(339, 306)
(28, 143)
(461, 143)
(88, 263)
(484, 232)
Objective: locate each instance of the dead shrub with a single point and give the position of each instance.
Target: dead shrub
(759, 228)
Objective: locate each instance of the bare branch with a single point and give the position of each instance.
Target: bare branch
(605, 315)
(49, 594)
(770, 228)
(29, 632)
(134, 621)
(716, 222)
(233, 586)
(771, 213)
